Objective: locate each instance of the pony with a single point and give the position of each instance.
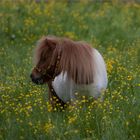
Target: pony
(68, 67)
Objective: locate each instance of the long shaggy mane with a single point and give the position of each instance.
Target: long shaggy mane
(76, 57)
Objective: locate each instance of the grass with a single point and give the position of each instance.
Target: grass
(112, 28)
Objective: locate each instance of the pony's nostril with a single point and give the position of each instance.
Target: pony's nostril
(38, 80)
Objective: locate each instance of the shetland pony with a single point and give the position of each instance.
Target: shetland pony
(68, 67)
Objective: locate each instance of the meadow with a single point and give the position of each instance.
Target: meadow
(113, 28)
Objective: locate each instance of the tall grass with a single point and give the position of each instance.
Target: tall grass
(112, 28)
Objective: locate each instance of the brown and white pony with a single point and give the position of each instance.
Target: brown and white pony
(69, 67)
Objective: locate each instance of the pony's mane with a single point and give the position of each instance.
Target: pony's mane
(76, 58)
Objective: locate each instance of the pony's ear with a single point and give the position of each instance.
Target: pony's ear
(50, 43)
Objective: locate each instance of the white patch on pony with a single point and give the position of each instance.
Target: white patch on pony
(66, 88)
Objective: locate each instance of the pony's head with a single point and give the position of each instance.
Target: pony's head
(47, 58)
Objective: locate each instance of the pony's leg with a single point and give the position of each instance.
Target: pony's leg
(54, 100)
(51, 99)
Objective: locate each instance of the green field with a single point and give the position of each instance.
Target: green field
(113, 28)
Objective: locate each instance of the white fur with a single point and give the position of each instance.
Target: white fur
(66, 88)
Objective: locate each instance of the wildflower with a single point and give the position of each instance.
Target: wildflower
(129, 77)
(127, 123)
(72, 119)
(109, 64)
(48, 127)
(30, 124)
(70, 35)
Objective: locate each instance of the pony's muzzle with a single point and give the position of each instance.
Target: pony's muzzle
(37, 80)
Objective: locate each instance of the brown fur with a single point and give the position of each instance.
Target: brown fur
(76, 57)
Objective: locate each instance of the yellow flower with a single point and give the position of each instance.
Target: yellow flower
(127, 123)
(70, 35)
(109, 64)
(29, 22)
(72, 119)
(48, 127)
(129, 77)
(30, 123)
